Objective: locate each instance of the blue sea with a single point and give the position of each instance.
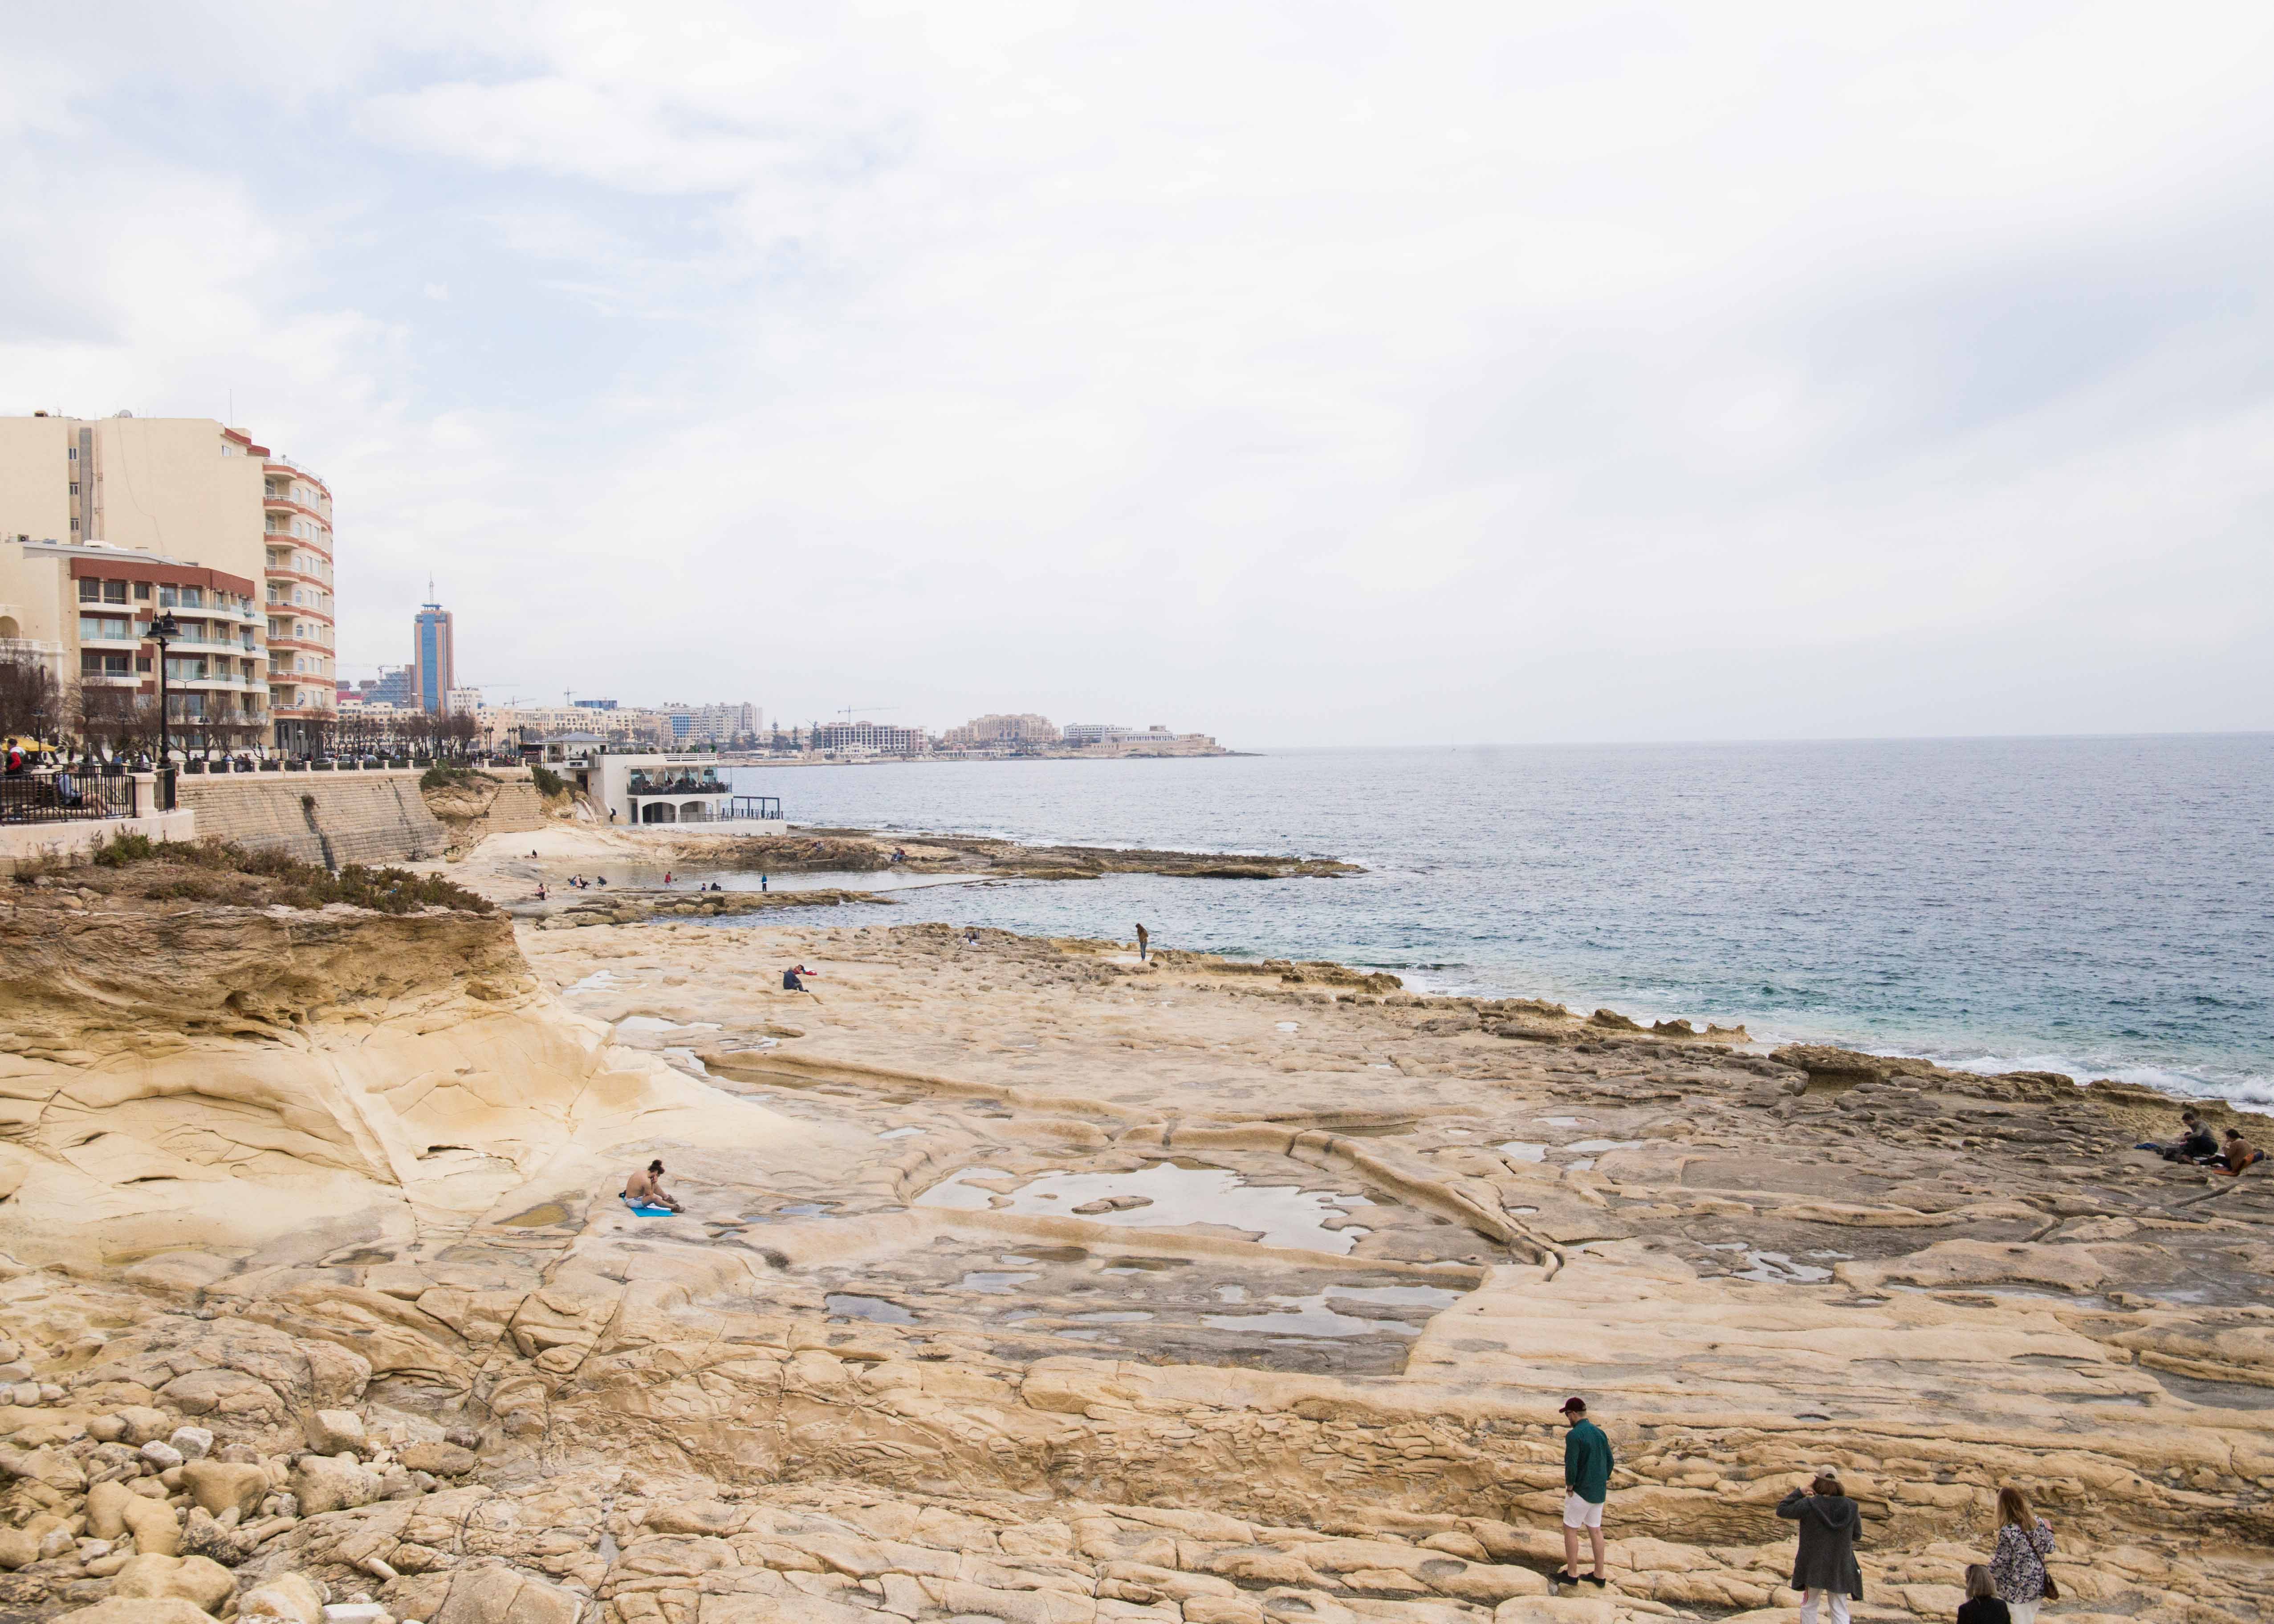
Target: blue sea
(2103, 906)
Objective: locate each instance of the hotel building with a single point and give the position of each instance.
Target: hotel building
(303, 639)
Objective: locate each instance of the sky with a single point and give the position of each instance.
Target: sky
(1303, 374)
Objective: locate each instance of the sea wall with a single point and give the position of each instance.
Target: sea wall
(333, 818)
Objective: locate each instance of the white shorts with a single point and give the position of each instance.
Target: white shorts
(1582, 1513)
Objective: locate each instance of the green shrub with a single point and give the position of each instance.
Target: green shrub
(548, 782)
(124, 848)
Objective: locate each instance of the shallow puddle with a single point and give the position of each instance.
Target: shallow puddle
(1316, 1315)
(848, 1305)
(995, 1282)
(1175, 1197)
(1524, 1150)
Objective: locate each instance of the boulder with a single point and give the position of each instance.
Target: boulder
(195, 1579)
(194, 1442)
(139, 1610)
(444, 1460)
(216, 1485)
(19, 1548)
(141, 1425)
(106, 1509)
(333, 1431)
(157, 1530)
(333, 1483)
(51, 1467)
(162, 1455)
(289, 1597)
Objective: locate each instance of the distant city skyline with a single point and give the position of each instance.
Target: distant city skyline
(1429, 374)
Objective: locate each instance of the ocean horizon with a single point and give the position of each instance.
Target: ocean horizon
(2090, 904)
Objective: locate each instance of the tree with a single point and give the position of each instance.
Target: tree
(119, 720)
(33, 704)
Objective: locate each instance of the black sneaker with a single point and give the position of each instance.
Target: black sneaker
(1563, 1577)
(1593, 1578)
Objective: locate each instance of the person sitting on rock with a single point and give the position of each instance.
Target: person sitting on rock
(792, 981)
(644, 1188)
(2236, 1153)
(1824, 1569)
(2195, 1143)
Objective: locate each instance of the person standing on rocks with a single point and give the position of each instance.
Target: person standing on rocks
(1982, 1605)
(1586, 1485)
(1825, 1567)
(2018, 1565)
(1144, 943)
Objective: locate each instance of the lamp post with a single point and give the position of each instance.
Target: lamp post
(164, 630)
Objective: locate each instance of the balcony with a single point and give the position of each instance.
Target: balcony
(677, 781)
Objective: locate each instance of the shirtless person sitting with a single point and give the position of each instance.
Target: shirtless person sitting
(644, 1188)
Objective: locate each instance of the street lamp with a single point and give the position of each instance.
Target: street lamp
(164, 630)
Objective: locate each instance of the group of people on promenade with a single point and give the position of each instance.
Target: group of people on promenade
(2008, 1589)
(2197, 1144)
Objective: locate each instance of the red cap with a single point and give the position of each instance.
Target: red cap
(1570, 1404)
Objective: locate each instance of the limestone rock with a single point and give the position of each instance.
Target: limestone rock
(333, 1483)
(217, 1486)
(444, 1460)
(289, 1597)
(194, 1443)
(116, 1609)
(106, 1509)
(157, 1530)
(19, 1548)
(162, 1455)
(143, 1425)
(491, 1593)
(334, 1431)
(198, 1580)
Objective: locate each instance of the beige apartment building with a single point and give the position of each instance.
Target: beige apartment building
(111, 522)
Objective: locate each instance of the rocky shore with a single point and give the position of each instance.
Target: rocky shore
(1020, 1281)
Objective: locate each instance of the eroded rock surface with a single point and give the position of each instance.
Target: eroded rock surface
(1020, 1282)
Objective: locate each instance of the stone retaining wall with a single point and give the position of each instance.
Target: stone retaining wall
(333, 818)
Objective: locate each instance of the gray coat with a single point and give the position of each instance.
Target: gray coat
(1829, 1524)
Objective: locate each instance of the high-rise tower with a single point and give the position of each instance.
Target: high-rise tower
(434, 670)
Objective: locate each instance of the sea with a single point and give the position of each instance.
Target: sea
(2101, 907)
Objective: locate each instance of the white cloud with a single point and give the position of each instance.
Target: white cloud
(1424, 371)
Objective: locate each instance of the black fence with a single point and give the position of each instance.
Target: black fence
(67, 797)
(766, 806)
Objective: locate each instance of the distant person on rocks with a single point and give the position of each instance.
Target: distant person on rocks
(2017, 1566)
(1982, 1605)
(644, 1188)
(1586, 1485)
(1825, 1567)
(762, 882)
(792, 978)
(1144, 943)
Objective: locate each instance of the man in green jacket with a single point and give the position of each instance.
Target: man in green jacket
(1586, 1485)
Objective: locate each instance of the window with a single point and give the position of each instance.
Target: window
(73, 454)
(142, 663)
(186, 668)
(74, 487)
(142, 591)
(90, 591)
(74, 524)
(114, 591)
(100, 627)
(193, 597)
(94, 664)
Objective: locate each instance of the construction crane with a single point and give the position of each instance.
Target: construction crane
(849, 711)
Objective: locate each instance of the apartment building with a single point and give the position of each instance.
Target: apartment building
(983, 732)
(710, 724)
(112, 522)
(303, 619)
(869, 739)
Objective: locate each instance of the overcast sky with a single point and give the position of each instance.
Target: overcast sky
(1303, 373)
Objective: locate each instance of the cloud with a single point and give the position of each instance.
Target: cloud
(1350, 372)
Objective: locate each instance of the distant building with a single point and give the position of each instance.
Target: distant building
(723, 723)
(992, 730)
(462, 700)
(433, 666)
(594, 704)
(1081, 735)
(296, 541)
(391, 687)
(869, 739)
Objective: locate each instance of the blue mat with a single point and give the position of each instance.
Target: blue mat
(651, 1212)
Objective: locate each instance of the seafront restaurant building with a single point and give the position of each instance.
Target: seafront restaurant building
(661, 788)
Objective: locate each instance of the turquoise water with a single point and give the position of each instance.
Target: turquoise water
(2099, 906)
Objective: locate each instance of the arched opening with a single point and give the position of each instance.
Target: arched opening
(659, 812)
(9, 629)
(695, 812)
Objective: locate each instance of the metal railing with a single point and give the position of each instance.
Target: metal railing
(676, 784)
(765, 807)
(67, 797)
